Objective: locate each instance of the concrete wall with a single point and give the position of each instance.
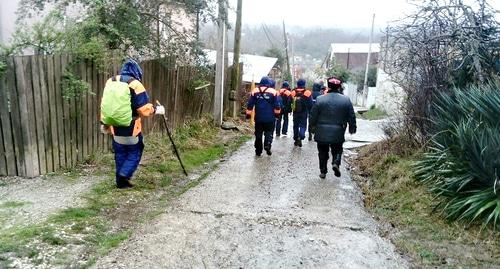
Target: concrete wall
(372, 95)
(350, 90)
(389, 96)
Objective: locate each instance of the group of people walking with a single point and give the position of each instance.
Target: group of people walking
(328, 111)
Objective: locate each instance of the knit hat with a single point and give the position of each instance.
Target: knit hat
(301, 83)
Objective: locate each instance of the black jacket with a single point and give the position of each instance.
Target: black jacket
(329, 118)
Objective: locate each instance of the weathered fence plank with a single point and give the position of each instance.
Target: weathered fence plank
(15, 114)
(81, 100)
(47, 134)
(69, 128)
(3, 161)
(102, 82)
(100, 87)
(62, 123)
(23, 85)
(36, 114)
(89, 114)
(95, 110)
(53, 104)
(6, 107)
(73, 110)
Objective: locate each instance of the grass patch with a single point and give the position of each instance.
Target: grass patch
(394, 196)
(74, 215)
(18, 241)
(13, 204)
(373, 113)
(106, 242)
(109, 215)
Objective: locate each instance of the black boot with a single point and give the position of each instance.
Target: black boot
(336, 169)
(267, 148)
(123, 183)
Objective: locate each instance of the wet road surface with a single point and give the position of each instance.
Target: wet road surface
(263, 212)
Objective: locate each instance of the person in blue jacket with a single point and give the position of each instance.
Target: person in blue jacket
(301, 105)
(286, 101)
(267, 106)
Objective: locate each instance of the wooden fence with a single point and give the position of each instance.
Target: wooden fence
(43, 129)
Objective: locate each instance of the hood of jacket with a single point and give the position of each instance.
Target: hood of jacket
(132, 69)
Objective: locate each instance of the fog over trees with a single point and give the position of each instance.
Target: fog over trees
(257, 39)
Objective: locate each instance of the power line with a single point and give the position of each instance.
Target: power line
(267, 35)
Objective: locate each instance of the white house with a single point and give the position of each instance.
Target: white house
(254, 66)
(353, 55)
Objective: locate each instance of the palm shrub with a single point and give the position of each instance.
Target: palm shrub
(462, 165)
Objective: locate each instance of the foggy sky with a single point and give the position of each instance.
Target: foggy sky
(7, 18)
(323, 13)
(328, 13)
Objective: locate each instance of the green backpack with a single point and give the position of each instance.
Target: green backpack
(116, 104)
(298, 103)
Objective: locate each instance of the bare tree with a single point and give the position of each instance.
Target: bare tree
(445, 44)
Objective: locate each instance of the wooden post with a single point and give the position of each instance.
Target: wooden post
(219, 68)
(287, 58)
(235, 75)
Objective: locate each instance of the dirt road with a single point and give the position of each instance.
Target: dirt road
(263, 212)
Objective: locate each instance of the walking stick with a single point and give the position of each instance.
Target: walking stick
(172, 141)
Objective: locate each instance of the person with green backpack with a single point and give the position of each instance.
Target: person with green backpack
(123, 103)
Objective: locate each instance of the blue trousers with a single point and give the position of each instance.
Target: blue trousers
(265, 129)
(127, 158)
(284, 130)
(299, 126)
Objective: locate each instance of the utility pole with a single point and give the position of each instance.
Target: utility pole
(197, 24)
(293, 63)
(235, 76)
(365, 84)
(1, 28)
(227, 79)
(348, 54)
(158, 32)
(219, 66)
(286, 51)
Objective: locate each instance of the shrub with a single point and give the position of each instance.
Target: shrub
(463, 163)
(340, 72)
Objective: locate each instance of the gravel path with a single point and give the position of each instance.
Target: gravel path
(26, 201)
(264, 212)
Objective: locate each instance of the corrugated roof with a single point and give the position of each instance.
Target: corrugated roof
(254, 66)
(353, 47)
